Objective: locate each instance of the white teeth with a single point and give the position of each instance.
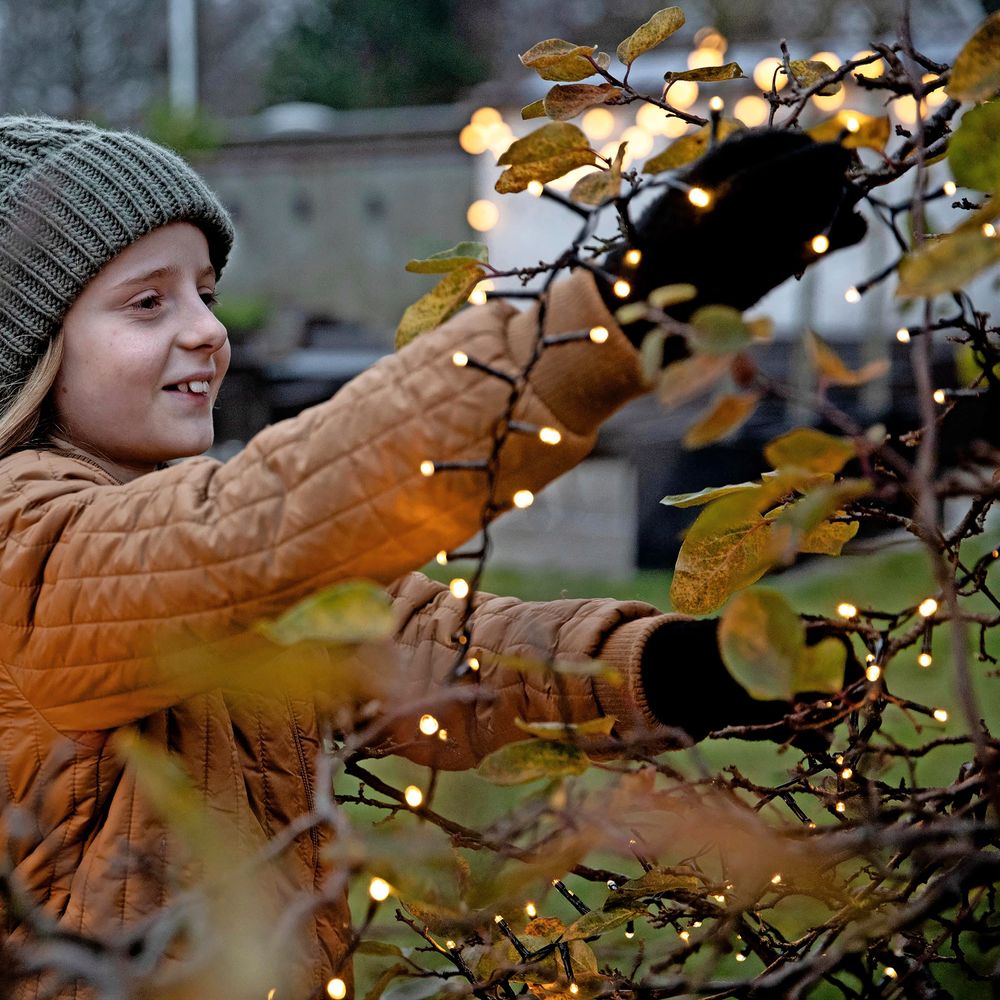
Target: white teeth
(201, 387)
(183, 386)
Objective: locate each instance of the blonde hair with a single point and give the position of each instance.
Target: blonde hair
(22, 419)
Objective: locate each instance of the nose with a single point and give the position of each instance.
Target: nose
(202, 329)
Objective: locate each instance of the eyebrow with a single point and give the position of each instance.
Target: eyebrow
(167, 271)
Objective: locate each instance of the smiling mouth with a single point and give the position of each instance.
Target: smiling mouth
(197, 388)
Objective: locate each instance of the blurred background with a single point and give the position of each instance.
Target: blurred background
(347, 136)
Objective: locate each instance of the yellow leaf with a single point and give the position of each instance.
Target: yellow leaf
(536, 109)
(727, 415)
(671, 295)
(828, 538)
(707, 74)
(568, 732)
(689, 378)
(976, 73)
(947, 263)
(529, 760)
(808, 72)
(444, 300)
(449, 260)
(545, 154)
(651, 354)
(347, 613)
(708, 494)
(647, 36)
(555, 59)
(565, 101)
(853, 130)
(832, 369)
(809, 449)
(597, 186)
(689, 147)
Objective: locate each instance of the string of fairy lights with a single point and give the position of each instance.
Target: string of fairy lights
(487, 132)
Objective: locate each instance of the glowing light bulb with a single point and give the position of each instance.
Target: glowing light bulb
(704, 56)
(442, 558)
(271, 994)
(840, 759)
(574, 989)
(752, 110)
(925, 659)
(852, 295)
(633, 257)
(629, 935)
(851, 123)
(684, 935)
(840, 807)
(891, 972)
(460, 359)
(903, 335)
(829, 102)
(716, 103)
(741, 957)
(531, 910)
(847, 610)
(950, 188)
(820, 244)
(442, 735)
(536, 188)
(482, 215)
(523, 498)
(640, 142)
(719, 898)
(379, 889)
(696, 923)
(869, 70)
(427, 467)
(830, 58)
(413, 796)
(473, 139)
(473, 664)
(336, 989)
(939, 395)
(622, 288)
(450, 945)
(989, 230)
(940, 714)
(776, 878)
(478, 296)
(873, 672)
(486, 116)
(599, 334)
(937, 97)
(766, 71)
(847, 774)
(699, 197)
(682, 94)
(549, 435)
(599, 123)
(428, 725)
(459, 588)
(928, 607)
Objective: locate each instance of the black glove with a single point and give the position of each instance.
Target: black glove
(771, 192)
(688, 687)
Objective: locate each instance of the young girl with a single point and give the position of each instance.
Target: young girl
(125, 576)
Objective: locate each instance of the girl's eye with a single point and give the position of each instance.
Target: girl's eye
(210, 299)
(147, 303)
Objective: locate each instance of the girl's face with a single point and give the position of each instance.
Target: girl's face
(144, 355)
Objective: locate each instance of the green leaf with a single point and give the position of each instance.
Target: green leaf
(631, 312)
(536, 109)
(385, 977)
(545, 154)
(726, 416)
(707, 74)
(808, 448)
(563, 102)
(671, 295)
(416, 988)
(555, 59)
(689, 378)
(974, 150)
(352, 612)
(647, 36)
(448, 260)
(529, 760)
(568, 732)
(379, 948)
(689, 147)
(651, 354)
(707, 495)
(808, 72)
(832, 368)
(761, 638)
(719, 330)
(820, 667)
(656, 882)
(801, 527)
(947, 263)
(975, 76)
(599, 922)
(442, 301)
(853, 130)
(440, 919)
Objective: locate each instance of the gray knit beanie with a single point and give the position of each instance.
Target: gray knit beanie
(73, 196)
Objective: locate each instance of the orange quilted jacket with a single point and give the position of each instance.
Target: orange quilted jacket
(113, 593)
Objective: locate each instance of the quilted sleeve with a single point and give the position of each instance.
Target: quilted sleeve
(506, 632)
(96, 577)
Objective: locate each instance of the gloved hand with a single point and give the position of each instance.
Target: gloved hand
(688, 687)
(771, 192)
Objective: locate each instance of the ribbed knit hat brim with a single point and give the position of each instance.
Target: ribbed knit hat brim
(73, 197)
